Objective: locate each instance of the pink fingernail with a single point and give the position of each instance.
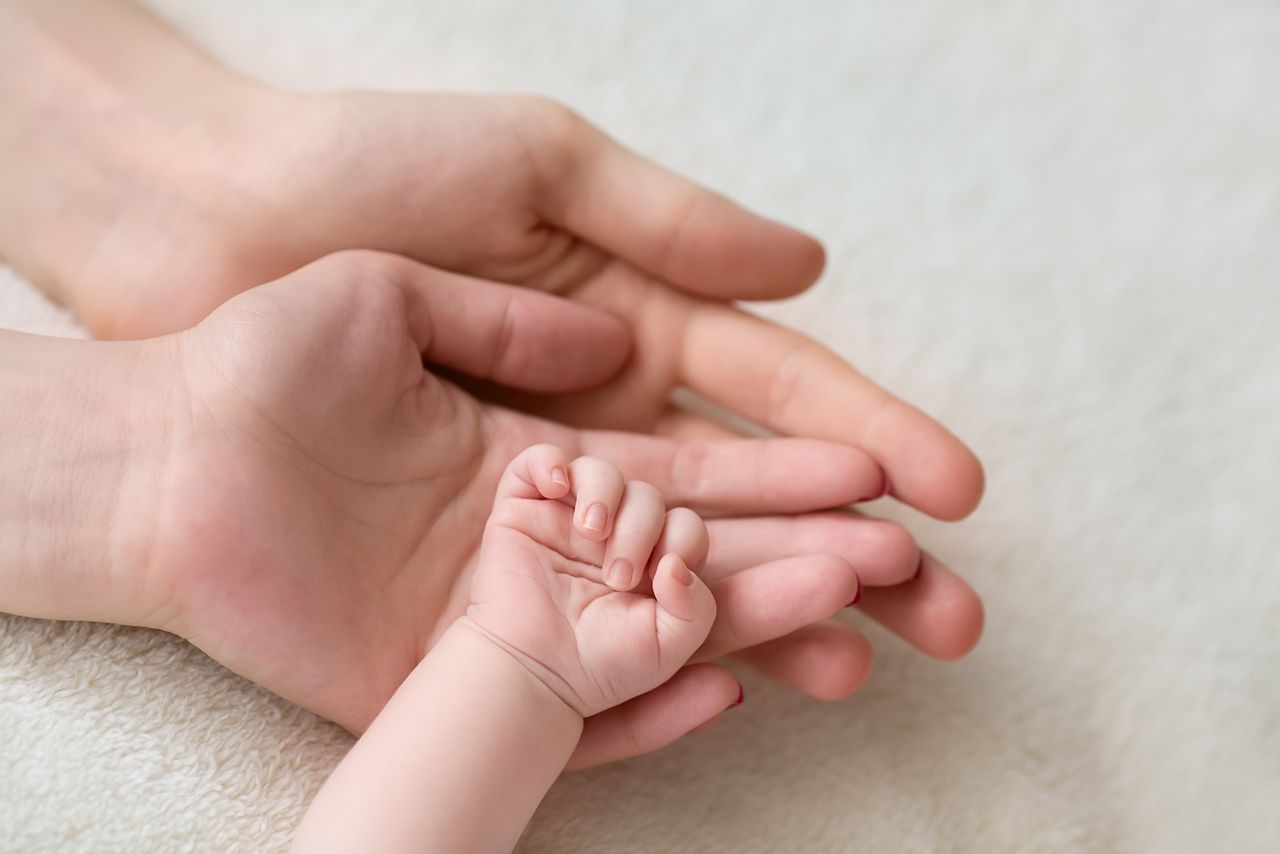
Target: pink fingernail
(919, 568)
(619, 574)
(857, 597)
(558, 476)
(596, 517)
(683, 574)
(742, 695)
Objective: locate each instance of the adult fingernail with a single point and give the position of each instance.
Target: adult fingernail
(558, 476)
(857, 597)
(595, 518)
(618, 576)
(742, 695)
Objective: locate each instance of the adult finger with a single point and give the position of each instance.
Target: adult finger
(509, 335)
(684, 534)
(777, 598)
(881, 552)
(943, 617)
(937, 612)
(681, 232)
(794, 386)
(744, 475)
(827, 660)
(695, 695)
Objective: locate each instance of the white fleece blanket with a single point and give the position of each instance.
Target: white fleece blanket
(1057, 227)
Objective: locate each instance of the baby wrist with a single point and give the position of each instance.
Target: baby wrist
(515, 667)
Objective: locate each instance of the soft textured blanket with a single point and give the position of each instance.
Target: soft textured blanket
(1057, 227)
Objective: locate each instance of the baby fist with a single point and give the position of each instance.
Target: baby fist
(589, 580)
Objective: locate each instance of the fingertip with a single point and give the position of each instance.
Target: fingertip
(680, 592)
(848, 666)
(706, 725)
(598, 487)
(590, 346)
(671, 574)
(620, 575)
(592, 520)
(547, 466)
(827, 660)
(776, 260)
(964, 622)
(684, 533)
(558, 482)
(937, 612)
(975, 478)
(886, 553)
(967, 483)
(930, 468)
(810, 260)
(680, 570)
(531, 474)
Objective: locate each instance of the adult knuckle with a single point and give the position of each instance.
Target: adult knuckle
(784, 385)
(552, 120)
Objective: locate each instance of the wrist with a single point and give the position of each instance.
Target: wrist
(458, 760)
(84, 430)
(520, 669)
(115, 129)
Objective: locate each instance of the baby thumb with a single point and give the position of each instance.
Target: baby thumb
(687, 603)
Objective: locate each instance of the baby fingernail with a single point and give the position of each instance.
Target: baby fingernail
(558, 476)
(857, 597)
(683, 574)
(619, 574)
(595, 518)
(742, 695)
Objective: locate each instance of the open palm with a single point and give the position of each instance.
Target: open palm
(326, 495)
(520, 190)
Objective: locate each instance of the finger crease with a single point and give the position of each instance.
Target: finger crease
(786, 382)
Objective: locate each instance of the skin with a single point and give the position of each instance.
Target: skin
(320, 544)
(378, 490)
(123, 207)
(488, 719)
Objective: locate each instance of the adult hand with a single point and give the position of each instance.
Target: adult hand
(193, 185)
(147, 207)
(323, 496)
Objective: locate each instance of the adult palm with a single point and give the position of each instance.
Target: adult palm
(224, 184)
(325, 494)
(509, 189)
(152, 186)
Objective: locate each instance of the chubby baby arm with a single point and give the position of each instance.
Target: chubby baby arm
(466, 749)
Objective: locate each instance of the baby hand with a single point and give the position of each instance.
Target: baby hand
(589, 581)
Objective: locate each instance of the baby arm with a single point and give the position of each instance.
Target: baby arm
(463, 753)
(457, 760)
